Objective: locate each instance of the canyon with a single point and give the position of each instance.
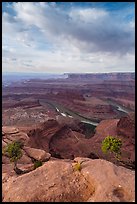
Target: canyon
(62, 121)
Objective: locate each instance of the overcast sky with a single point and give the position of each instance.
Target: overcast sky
(68, 37)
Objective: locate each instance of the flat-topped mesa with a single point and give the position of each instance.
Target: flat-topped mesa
(102, 76)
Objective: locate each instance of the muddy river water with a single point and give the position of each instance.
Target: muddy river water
(69, 113)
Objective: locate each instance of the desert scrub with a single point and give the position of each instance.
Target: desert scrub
(13, 150)
(37, 164)
(112, 144)
(77, 166)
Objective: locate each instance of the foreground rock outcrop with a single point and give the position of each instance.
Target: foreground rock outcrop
(66, 139)
(10, 134)
(29, 155)
(56, 180)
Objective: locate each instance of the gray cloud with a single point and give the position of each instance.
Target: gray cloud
(43, 34)
(89, 29)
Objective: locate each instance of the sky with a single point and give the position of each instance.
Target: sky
(68, 37)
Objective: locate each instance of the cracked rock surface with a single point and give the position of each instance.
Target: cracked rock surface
(57, 181)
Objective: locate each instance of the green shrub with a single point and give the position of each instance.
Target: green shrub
(77, 166)
(37, 164)
(112, 144)
(13, 150)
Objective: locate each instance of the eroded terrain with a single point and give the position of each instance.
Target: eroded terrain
(64, 120)
(89, 96)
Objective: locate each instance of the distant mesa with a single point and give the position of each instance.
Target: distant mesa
(102, 76)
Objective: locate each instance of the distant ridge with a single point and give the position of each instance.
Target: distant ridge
(103, 76)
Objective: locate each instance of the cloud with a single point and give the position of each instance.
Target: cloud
(78, 37)
(97, 29)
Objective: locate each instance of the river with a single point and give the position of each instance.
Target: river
(67, 112)
(118, 107)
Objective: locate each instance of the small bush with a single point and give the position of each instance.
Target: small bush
(112, 144)
(20, 143)
(13, 150)
(77, 166)
(37, 164)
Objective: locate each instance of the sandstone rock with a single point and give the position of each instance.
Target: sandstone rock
(69, 144)
(24, 159)
(12, 134)
(111, 127)
(126, 130)
(20, 136)
(98, 181)
(105, 128)
(40, 137)
(7, 171)
(37, 154)
(6, 140)
(54, 181)
(4, 144)
(24, 167)
(112, 183)
(6, 177)
(9, 130)
(126, 126)
(5, 159)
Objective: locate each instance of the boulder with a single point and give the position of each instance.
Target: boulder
(37, 154)
(20, 136)
(57, 181)
(9, 130)
(24, 159)
(112, 183)
(54, 181)
(13, 134)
